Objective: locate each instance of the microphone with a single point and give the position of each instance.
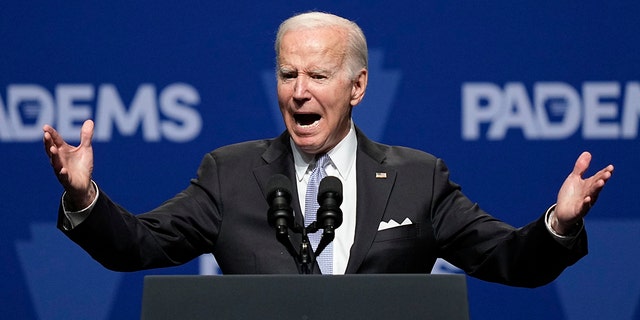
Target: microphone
(329, 216)
(280, 214)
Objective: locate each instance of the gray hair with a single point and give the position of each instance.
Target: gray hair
(357, 53)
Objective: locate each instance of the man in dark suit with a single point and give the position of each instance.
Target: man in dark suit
(401, 211)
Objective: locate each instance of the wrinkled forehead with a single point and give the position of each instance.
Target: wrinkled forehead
(323, 43)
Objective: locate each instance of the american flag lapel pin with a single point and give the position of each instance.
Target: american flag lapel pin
(381, 175)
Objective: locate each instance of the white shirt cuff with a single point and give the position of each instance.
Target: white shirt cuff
(74, 218)
(565, 240)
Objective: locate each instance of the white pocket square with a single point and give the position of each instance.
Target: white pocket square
(393, 224)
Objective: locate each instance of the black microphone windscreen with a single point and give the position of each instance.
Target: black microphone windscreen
(330, 184)
(278, 182)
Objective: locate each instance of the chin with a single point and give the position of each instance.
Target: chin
(306, 147)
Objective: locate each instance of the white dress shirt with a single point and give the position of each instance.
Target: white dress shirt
(343, 167)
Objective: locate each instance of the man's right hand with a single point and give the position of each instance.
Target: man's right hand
(72, 165)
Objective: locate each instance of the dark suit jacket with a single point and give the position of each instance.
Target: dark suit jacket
(223, 211)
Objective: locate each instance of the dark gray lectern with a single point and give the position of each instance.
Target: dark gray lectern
(305, 297)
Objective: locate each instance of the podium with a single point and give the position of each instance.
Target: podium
(305, 297)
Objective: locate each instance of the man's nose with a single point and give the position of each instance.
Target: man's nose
(301, 87)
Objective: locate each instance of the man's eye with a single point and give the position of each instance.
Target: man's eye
(318, 76)
(288, 75)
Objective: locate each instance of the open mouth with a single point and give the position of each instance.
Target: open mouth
(306, 119)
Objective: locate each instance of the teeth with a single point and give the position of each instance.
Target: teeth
(307, 120)
(315, 123)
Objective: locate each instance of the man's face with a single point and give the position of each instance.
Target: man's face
(315, 90)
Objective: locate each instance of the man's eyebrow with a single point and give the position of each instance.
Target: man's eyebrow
(319, 70)
(310, 71)
(285, 69)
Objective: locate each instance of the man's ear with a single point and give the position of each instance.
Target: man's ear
(359, 86)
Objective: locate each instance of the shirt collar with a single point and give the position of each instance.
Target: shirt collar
(342, 156)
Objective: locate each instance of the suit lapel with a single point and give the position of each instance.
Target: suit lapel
(278, 159)
(374, 183)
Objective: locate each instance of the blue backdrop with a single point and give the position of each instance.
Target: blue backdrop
(508, 93)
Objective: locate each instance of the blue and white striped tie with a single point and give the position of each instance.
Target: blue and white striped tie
(325, 260)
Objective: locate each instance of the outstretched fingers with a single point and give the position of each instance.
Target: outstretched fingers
(598, 181)
(578, 194)
(582, 164)
(52, 137)
(52, 142)
(86, 133)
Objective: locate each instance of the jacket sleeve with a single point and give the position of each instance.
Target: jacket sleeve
(176, 232)
(489, 249)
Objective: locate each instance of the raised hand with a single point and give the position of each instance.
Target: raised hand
(73, 166)
(577, 194)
